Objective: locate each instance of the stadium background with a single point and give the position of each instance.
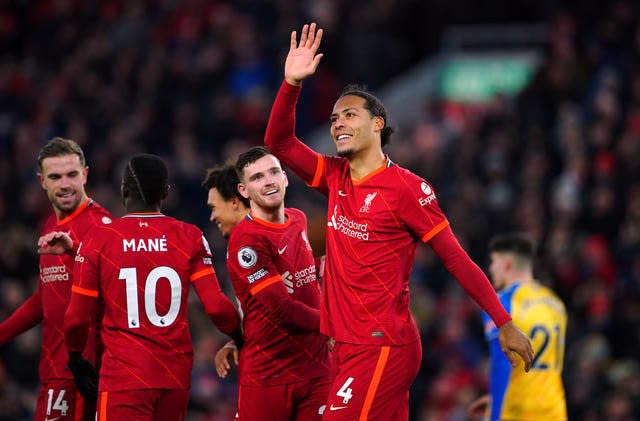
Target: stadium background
(193, 81)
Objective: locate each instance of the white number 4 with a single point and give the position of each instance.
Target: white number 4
(59, 405)
(345, 391)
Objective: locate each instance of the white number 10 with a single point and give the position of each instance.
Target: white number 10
(130, 276)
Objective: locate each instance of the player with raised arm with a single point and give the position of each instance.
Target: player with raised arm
(541, 314)
(284, 367)
(138, 272)
(63, 175)
(377, 212)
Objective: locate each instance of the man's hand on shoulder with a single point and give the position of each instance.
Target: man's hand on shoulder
(55, 242)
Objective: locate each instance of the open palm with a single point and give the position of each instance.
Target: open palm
(302, 59)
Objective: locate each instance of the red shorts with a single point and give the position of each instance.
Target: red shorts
(59, 400)
(143, 405)
(299, 401)
(371, 382)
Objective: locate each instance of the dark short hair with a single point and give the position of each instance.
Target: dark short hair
(249, 157)
(146, 176)
(375, 107)
(224, 179)
(59, 146)
(517, 243)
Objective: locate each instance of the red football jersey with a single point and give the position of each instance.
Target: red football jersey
(373, 228)
(274, 277)
(55, 290)
(141, 267)
(374, 224)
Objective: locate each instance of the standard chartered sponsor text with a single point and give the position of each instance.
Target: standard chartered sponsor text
(305, 275)
(54, 273)
(352, 229)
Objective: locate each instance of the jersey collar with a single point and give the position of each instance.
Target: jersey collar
(388, 163)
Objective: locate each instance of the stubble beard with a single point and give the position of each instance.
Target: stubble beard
(346, 153)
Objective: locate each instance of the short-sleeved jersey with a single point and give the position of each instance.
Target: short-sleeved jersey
(373, 228)
(56, 273)
(140, 268)
(260, 254)
(538, 394)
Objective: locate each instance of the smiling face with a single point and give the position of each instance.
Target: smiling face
(226, 214)
(264, 183)
(63, 177)
(353, 128)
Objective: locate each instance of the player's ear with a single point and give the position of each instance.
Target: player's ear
(41, 179)
(286, 180)
(124, 191)
(378, 123)
(165, 191)
(85, 174)
(243, 190)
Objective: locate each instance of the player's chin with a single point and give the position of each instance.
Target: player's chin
(272, 203)
(66, 205)
(344, 152)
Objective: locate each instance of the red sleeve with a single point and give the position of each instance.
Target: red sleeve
(469, 275)
(282, 309)
(77, 320)
(28, 315)
(217, 306)
(280, 135)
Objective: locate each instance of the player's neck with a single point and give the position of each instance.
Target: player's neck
(274, 216)
(365, 162)
(519, 278)
(139, 207)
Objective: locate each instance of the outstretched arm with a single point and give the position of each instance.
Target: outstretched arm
(218, 307)
(28, 315)
(476, 284)
(280, 137)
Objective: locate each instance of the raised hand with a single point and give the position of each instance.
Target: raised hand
(302, 59)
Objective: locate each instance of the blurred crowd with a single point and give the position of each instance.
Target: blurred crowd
(193, 81)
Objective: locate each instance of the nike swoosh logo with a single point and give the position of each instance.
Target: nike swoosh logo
(280, 251)
(52, 419)
(341, 193)
(335, 408)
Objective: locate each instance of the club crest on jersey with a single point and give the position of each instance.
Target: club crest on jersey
(367, 201)
(106, 220)
(247, 257)
(431, 195)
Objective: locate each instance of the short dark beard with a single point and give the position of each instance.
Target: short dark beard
(347, 153)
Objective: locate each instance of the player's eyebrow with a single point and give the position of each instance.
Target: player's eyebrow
(333, 115)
